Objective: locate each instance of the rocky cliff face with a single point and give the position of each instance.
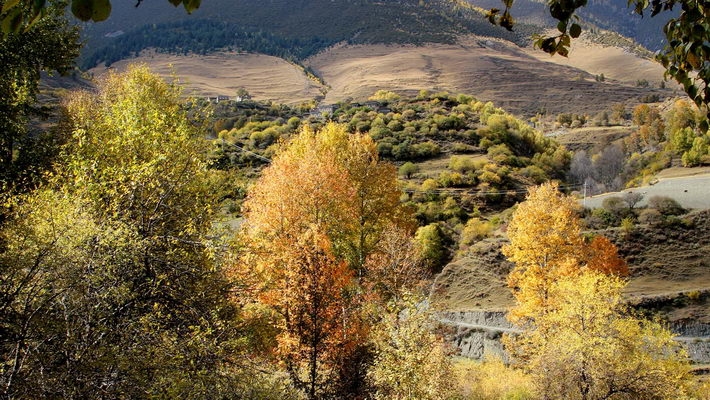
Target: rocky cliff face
(478, 333)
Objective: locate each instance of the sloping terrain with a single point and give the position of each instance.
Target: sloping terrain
(670, 276)
(491, 70)
(292, 29)
(664, 261)
(222, 74)
(613, 15)
(517, 79)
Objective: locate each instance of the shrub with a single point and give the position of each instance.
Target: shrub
(665, 205)
(632, 198)
(408, 169)
(492, 380)
(451, 179)
(650, 216)
(627, 225)
(475, 230)
(604, 217)
(462, 164)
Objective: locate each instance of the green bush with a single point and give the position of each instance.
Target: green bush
(605, 217)
(408, 169)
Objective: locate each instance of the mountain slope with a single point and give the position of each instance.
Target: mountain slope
(612, 15)
(286, 28)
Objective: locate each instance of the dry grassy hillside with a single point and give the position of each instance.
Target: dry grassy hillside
(521, 80)
(264, 77)
(517, 79)
(669, 268)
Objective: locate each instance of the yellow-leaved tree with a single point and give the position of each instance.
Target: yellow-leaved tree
(579, 339)
(589, 345)
(109, 284)
(545, 243)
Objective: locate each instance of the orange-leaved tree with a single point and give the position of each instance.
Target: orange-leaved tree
(316, 329)
(329, 185)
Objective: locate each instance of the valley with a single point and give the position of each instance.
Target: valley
(311, 199)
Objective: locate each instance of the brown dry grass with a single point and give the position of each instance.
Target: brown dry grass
(264, 77)
(523, 81)
(614, 62)
(592, 139)
(520, 80)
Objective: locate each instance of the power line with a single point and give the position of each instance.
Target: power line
(259, 156)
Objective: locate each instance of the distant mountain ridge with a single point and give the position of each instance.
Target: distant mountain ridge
(292, 29)
(297, 29)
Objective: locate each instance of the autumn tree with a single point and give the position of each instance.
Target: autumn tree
(315, 331)
(545, 239)
(546, 244)
(333, 180)
(332, 184)
(603, 256)
(110, 285)
(397, 267)
(411, 360)
(589, 346)
(579, 340)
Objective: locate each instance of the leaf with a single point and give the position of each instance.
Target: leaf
(693, 60)
(101, 10)
(191, 5)
(562, 26)
(8, 5)
(575, 30)
(82, 9)
(13, 21)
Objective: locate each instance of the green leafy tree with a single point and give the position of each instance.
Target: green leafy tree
(408, 169)
(696, 154)
(51, 44)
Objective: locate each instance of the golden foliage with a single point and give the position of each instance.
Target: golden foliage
(587, 346)
(492, 379)
(411, 362)
(325, 211)
(545, 243)
(580, 340)
(333, 180)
